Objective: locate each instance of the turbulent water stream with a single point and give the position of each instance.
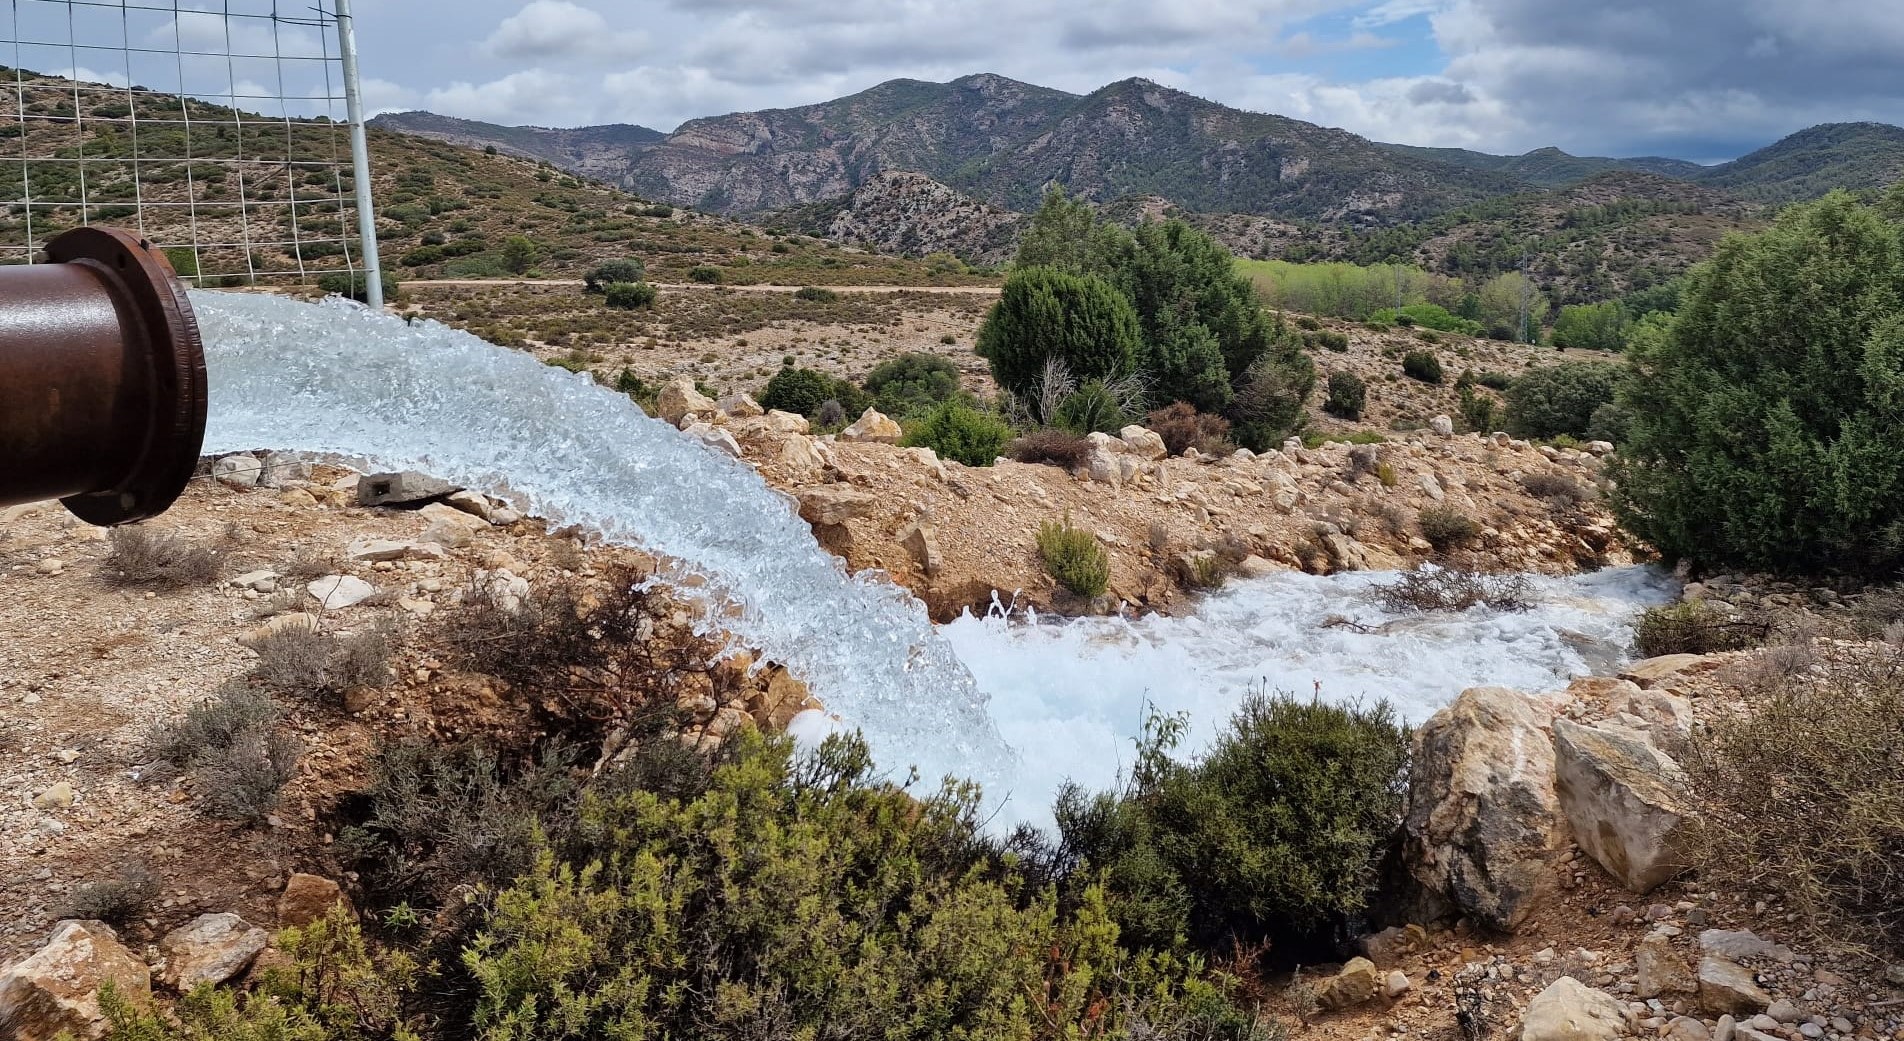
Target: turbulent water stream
(1016, 703)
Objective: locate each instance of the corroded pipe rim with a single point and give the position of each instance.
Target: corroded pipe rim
(167, 454)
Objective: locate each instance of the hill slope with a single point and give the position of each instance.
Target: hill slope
(1859, 156)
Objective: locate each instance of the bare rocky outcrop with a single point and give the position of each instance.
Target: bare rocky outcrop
(211, 948)
(1569, 1010)
(1483, 821)
(55, 990)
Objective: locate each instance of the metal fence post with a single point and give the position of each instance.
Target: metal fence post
(360, 156)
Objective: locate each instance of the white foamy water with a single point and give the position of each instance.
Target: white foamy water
(1070, 696)
(1019, 704)
(336, 379)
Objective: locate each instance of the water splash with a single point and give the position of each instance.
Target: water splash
(337, 379)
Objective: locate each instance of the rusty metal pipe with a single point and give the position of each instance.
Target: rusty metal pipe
(102, 379)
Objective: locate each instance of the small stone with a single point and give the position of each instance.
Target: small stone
(1784, 1011)
(238, 471)
(1395, 984)
(1726, 986)
(337, 592)
(66, 756)
(58, 797)
(1762, 1022)
(1686, 1028)
(1741, 944)
(469, 502)
(1660, 970)
(306, 898)
(257, 581)
(1842, 1025)
(1811, 1030)
(1722, 1030)
(50, 566)
(1443, 426)
(1356, 983)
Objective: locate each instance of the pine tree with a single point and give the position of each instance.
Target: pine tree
(1043, 314)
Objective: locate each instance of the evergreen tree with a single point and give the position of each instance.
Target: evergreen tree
(1066, 234)
(1765, 419)
(1043, 314)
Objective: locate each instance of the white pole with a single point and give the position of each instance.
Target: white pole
(360, 156)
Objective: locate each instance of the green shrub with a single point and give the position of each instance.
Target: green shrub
(799, 390)
(1307, 323)
(184, 261)
(959, 432)
(707, 274)
(807, 898)
(1428, 316)
(1348, 393)
(1558, 399)
(1694, 627)
(1276, 833)
(630, 296)
(1422, 365)
(1610, 423)
(1329, 339)
(607, 273)
(519, 254)
(1045, 315)
(911, 382)
(1765, 418)
(815, 294)
(1495, 380)
(1095, 407)
(1446, 528)
(1271, 397)
(1593, 327)
(1075, 558)
(1477, 411)
(356, 285)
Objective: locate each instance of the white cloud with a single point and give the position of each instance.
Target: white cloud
(530, 96)
(546, 29)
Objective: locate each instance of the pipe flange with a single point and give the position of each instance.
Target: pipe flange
(143, 282)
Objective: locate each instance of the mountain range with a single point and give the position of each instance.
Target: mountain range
(1003, 142)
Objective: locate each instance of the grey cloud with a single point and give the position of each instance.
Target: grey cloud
(1440, 92)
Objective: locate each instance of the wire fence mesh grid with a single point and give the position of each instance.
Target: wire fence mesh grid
(217, 130)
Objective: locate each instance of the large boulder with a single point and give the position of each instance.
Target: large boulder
(211, 948)
(55, 990)
(1144, 442)
(1569, 1010)
(1356, 983)
(872, 425)
(828, 505)
(1483, 822)
(1626, 801)
(1653, 672)
(680, 399)
(307, 898)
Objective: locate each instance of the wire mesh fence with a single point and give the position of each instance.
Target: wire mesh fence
(218, 131)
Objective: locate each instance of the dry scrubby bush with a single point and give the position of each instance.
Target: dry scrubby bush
(142, 558)
(1051, 447)
(1695, 627)
(232, 743)
(1183, 427)
(307, 662)
(1447, 528)
(1556, 487)
(1804, 792)
(1075, 558)
(1453, 589)
(118, 900)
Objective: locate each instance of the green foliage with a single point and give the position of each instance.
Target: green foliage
(1559, 399)
(804, 898)
(912, 382)
(630, 296)
(1045, 314)
(1422, 365)
(1075, 558)
(1428, 316)
(1501, 303)
(1766, 418)
(1693, 627)
(1201, 320)
(1593, 327)
(184, 261)
(707, 274)
(1095, 407)
(1276, 833)
(1477, 411)
(1348, 393)
(805, 390)
(1495, 380)
(1329, 339)
(519, 254)
(1270, 397)
(1066, 235)
(356, 285)
(1348, 290)
(606, 274)
(815, 294)
(957, 431)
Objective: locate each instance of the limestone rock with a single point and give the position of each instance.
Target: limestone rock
(787, 422)
(1443, 426)
(398, 489)
(741, 406)
(1144, 442)
(1430, 487)
(1569, 1010)
(307, 898)
(1391, 944)
(211, 948)
(714, 437)
(1356, 983)
(469, 502)
(800, 455)
(55, 990)
(280, 468)
(1626, 801)
(257, 581)
(1739, 944)
(238, 471)
(680, 399)
(1395, 984)
(372, 550)
(337, 592)
(1483, 819)
(832, 504)
(1727, 986)
(1658, 969)
(872, 425)
(1685, 1028)
(1104, 467)
(922, 541)
(1654, 671)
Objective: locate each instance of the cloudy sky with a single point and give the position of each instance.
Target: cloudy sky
(1698, 79)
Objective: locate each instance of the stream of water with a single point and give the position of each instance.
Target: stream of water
(1018, 703)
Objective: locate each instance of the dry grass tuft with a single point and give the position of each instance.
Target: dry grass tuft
(145, 559)
(1453, 589)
